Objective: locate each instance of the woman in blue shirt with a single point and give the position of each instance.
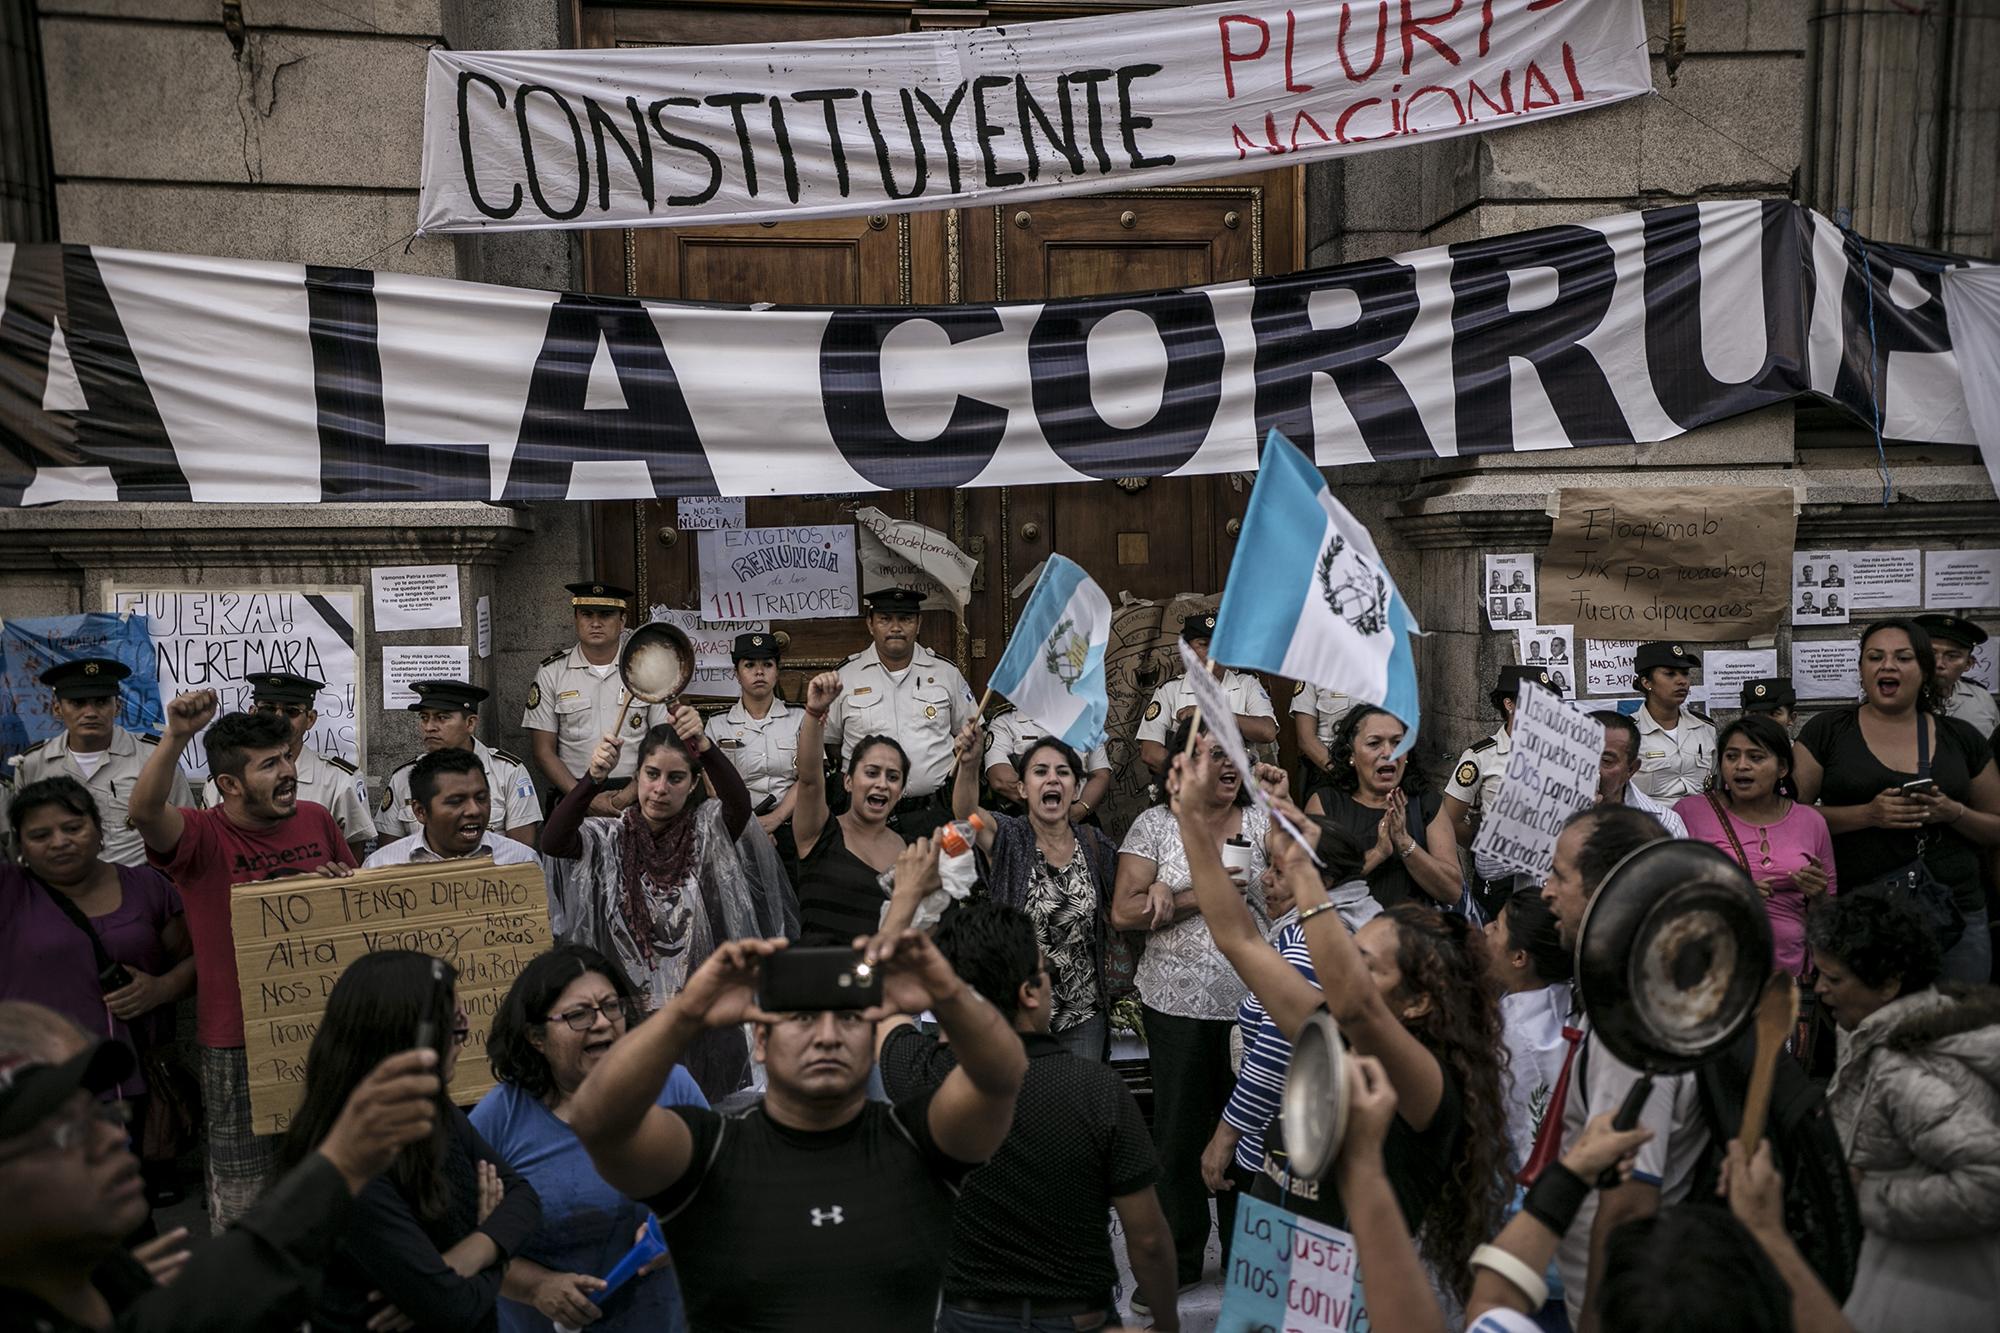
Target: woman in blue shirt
(562, 1014)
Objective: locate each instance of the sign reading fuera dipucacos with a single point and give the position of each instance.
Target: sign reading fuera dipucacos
(295, 937)
(1702, 564)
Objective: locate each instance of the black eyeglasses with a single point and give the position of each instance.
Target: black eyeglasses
(283, 710)
(584, 1017)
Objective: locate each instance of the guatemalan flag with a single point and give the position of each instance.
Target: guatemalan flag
(1308, 597)
(1053, 668)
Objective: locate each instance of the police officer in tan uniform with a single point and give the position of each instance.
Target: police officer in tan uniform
(447, 715)
(1476, 781)
(1011, 733)
(1775, 697)
(759, 733)
(578, 695)
(1316, 715)
(1954, 639)
(1170, 702)
(897, 687)
(1676, 743)
(96, 751)
(326, 780)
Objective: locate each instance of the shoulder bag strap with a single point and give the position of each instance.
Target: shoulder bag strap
(80, 921)
(1923, 746)
(1722, 814)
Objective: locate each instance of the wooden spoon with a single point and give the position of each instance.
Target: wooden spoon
(1777, 1012)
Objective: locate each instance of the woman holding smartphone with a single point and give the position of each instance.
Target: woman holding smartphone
(1897, 783)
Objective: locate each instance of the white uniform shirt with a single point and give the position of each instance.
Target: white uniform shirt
(1969, 702)
(110, 786)
(340, 787)
(1675, 826)
(579, 703)
(1676, 763)
(1476, 781)
(1011, 732)
(765, 750)
(413, 850)
(1326, 707)
(923, 712)
(1246, 699)
(508, 784)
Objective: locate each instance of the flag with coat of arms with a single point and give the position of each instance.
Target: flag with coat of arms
(1053, 668)
(1308, 597)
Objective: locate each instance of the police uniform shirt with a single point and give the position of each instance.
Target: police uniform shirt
(764, 749)
(1011, 732)
(1676, 763)
(339, 786)
(1246, 699)
(413, 850)
(1327, 706)
(579, 703)
(1969, 702)
(508, 784)
(923, 711)
(1476, 781)
(110, 785)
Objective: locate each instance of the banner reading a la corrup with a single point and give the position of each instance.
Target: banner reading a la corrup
(669, 136)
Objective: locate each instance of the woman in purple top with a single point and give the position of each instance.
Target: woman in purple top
(1785, 846)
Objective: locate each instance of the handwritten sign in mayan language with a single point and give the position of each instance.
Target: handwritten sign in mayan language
(1704, 564)
(294, 938)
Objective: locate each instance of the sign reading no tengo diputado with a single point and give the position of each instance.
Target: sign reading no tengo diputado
(1289, 1275)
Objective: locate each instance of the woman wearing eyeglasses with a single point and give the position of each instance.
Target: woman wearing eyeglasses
(428, 1239)
(564, 1011)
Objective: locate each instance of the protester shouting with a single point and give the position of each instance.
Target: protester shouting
(1379, 800)
(843, 857)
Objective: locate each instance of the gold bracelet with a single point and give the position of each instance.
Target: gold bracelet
(1314, 911)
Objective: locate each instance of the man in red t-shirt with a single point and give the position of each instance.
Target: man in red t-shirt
(260, 830)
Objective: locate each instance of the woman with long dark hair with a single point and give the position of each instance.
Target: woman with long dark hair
(1899, 784)
(434, 1232)
(659, 886)
(1411, 989)
(843, 857)
(1378, 798)
(566, 1009)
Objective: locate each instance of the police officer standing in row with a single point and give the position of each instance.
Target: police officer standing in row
(1676, 743)
(1316, 715)
(96, 751)
(897, 687)
(1008, 736)
(447, 715)
(326, 780)
(1775, 697)
(1175, 700)
(1476, 782)
(1954, 639)
(759, 734)
(578, 696)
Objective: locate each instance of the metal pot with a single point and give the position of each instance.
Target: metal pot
(656, 663)
(1315, 1101)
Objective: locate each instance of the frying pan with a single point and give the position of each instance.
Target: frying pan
(1672, 956)
(656, 664)
(1315, 1100)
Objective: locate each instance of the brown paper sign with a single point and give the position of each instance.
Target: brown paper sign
(294, 938)
(1706, 565)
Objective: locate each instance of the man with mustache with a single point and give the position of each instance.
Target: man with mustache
(260, 830)
(1954, 640)
(326, 780)
(452, 804)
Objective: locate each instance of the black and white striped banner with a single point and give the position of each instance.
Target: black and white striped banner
(135, 376)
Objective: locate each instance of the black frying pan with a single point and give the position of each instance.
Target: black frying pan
(1671, 958)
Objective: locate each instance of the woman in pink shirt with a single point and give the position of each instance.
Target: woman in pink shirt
(1784, 845)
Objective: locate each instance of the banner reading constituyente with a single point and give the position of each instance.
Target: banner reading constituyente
(133, 376)
(669, 136)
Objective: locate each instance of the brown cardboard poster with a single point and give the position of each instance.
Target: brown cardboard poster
(294, 938)
(1695, 563)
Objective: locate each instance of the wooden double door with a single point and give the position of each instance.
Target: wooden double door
(1150, 538)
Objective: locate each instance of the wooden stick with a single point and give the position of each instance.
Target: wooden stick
(1777, 1012)
(984, 700)
(623, 710)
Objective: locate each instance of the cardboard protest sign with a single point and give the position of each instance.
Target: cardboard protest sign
(1288, 1273)
(1551, 774)
(296, 936)
(902, 553)
(1696, 563)
(803, 573)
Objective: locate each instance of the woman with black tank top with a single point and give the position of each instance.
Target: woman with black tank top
(841, 858)
(1409, 989)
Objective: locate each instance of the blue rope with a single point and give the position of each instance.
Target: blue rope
(1874, 372)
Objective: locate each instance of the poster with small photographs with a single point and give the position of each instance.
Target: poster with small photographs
(1509, 591)
(1819, 588)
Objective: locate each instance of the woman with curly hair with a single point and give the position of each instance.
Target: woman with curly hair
(1410, 989)
(1378, 799)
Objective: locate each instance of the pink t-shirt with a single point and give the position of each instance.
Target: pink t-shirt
(1800, 832)
(213, 854)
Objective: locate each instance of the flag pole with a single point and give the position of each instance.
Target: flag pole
(1214, 673)
(984, 700)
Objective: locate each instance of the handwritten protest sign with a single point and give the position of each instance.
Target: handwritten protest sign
(906, 554)
(1551, 774)
(212, 639)
(714, 666)
(804, 573)
(1288, 1273)
(705, 513)
(295, 937)
(31, 646)
(1702, 564)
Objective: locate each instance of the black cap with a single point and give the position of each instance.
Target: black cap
(30, 1092)
(754, 648)
(895, 601)
(1508, 683)
(1652, 655)
(1768, 692)
(282, 687)
(1200, 625)
(454, 696)
(1952, 629)
(86, 678)
(604, 596)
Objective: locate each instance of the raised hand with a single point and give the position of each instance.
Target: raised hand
(822, 690)
(914, 974)
(917, 869)
(190, 711)
(970, 743)
(1600, 1146)
(395, 1105)
(723, 990)
(687, 725)
(605, 757)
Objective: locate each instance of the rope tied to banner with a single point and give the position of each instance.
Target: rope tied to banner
(1874, 372)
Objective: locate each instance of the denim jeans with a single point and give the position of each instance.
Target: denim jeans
(967, 1321)
(1087, 1039)
(1971, 959)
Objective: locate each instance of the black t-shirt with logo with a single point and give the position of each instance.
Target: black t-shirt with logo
(778, 1230)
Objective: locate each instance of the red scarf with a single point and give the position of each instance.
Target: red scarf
(662, 860)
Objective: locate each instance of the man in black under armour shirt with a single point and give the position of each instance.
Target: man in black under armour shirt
(816, 1209)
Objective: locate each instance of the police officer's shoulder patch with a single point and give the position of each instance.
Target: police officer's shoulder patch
(340, 763)
(1487, 744)
(499, 753)
(535, 695)
(1298, 688)
(1152, 710)
(555, 656)
(388, 797)
(1468, 773)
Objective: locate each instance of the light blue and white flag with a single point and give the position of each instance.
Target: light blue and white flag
(1308, 597)
(1053, 668)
